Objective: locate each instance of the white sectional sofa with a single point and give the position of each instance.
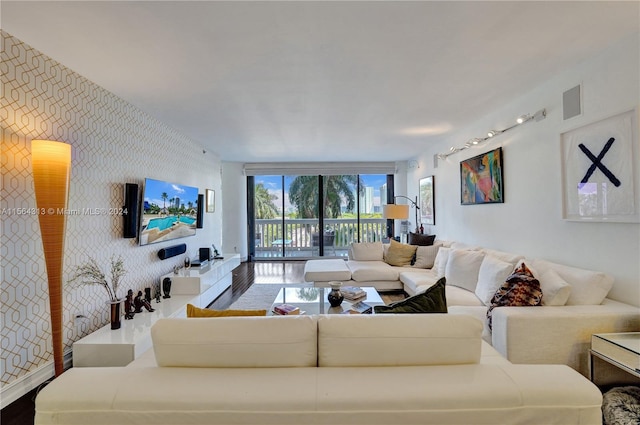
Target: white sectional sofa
(574, 302)
(369, 369)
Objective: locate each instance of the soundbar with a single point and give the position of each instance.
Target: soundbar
(200, 212)
(130, 215)
(172, 251)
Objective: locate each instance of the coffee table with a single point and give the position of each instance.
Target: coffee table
(313, 299)
(619, 349)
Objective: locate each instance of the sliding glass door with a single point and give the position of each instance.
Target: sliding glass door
(308, 216)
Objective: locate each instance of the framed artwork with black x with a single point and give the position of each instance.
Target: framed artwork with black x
(600, 180)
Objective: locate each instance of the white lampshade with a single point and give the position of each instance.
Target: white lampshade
(396, 212)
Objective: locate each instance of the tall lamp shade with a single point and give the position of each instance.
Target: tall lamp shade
(51, 163)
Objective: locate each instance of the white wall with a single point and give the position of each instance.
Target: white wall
(234, 189)
(113, 143)
(530, 220)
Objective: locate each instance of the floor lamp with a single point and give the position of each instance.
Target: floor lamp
(51, 163)
(395, 212)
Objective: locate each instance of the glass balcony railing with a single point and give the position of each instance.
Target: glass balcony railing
(300, 237)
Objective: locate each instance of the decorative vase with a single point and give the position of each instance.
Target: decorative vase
(166, 287)
(115, 313)
(335, 296)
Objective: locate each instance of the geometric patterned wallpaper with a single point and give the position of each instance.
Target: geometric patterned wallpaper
(113, 143)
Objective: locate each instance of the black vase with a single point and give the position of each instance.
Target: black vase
(335, 296)
(115, 313)
(147, 294)
(166, 287)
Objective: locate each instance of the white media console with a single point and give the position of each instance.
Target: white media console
(197, 286)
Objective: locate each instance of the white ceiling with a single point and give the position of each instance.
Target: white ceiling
(318, 81)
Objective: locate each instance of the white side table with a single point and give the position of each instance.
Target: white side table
(621, 350)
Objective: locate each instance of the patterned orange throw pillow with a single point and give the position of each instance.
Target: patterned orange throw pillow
(520, 289)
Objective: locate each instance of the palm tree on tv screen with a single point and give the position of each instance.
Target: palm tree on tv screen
(164, 197)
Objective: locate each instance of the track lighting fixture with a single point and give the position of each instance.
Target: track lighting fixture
(538, 116)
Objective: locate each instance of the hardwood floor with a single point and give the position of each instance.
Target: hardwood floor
(246, 274)
(22, 411)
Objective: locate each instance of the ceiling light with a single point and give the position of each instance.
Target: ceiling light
(538, 116)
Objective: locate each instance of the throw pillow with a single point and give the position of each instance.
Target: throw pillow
(493, 273)
(463, 268)
(193, 311)
(440, 263)
(520, 289)
(421, 240)
(556, 290)
(400, 254)
(426, 256)
(433, 300)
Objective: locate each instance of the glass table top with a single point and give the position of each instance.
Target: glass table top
(313, 300)
(627, 340)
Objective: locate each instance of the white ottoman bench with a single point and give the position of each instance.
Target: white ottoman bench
(326, 270)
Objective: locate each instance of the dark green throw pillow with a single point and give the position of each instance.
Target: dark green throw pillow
(433, 300)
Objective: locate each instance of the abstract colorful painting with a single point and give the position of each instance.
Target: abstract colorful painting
(481, 179)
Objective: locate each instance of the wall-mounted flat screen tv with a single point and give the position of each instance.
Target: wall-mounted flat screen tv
(169, 211)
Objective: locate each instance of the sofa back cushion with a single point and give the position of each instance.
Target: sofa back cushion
(588, 287)
(462, 268)
(508, 257)
(426, 256)
(440, 262)
(366, 251)
(555, 290)
(272, 341)
(398, 340)
(491, 276)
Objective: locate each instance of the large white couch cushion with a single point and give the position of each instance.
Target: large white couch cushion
(463, 267)
(366, 271)
(326, 270)
(555, 290)
(416, 282)
(492, 274)
(588, 287)
(236, 342)
(398, 340)
(429, 395)
(366, 251)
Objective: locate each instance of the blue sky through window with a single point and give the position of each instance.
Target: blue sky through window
(274, 185)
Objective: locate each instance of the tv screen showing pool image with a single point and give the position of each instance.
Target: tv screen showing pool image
(169, 211)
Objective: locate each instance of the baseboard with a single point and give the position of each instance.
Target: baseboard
(24, 384)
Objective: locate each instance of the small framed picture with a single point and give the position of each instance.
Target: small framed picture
(427, 207)
(210, 200)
